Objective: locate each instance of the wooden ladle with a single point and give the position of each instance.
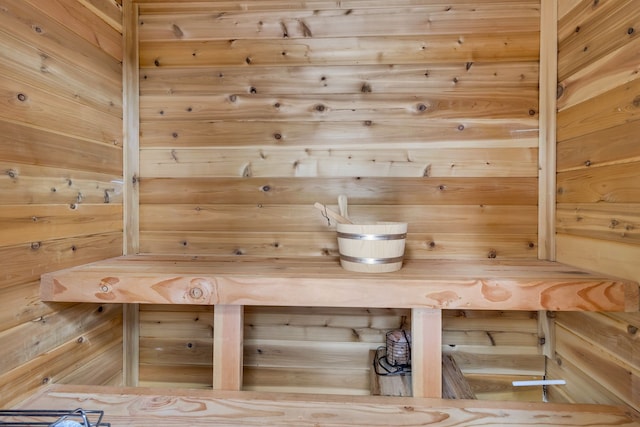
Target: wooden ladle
(331, 213)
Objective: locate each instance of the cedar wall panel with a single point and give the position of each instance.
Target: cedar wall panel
(419, 111)
(61, 186)
(598, 194)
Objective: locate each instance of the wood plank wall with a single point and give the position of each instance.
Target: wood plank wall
(61, 187)
(419, 111)
(598, 194)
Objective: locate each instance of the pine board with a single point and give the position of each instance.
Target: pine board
(498, 285)
(252, 408)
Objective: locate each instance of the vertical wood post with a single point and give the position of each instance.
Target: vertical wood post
(547, 152)
(426, 352)
(131, 157)
(228, 331)
(547, 135)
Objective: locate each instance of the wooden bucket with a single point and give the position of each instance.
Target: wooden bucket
(372, 248)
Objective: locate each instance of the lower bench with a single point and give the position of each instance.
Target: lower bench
(152, 407)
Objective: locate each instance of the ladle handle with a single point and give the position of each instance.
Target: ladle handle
(342, 204)
(332, 214)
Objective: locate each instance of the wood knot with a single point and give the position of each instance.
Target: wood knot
(320, 108)
(22, 97)
(492, 254)
(421, 107)
(196, 293)
(636, 101)
(632, 329)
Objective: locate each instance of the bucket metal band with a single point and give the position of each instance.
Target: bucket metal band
(355, 236)
(371, 261)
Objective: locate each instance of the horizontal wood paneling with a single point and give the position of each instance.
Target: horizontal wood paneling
(418, 111)
(613, 108)
(31, 25)
(601, 148)
(166, 6)
(25, 262)
(294, 244)
(303, 162)
(85, 23)
(381, 21)
(616, 377)
(25, 184)
(339, 107)
(38, 108)
(257, 218)
(454, 77)
(368, 190)
(61, 186)
(598, 195)
(367, 51)
(620, 222)
(34, 223)
(617, 183)
(38, 336)
(67, 358)
(592, 31)
(436, 133)
(26, 63)
(615, 68)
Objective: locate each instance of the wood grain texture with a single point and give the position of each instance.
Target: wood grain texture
(530, 285)
(616, 183)
(303, 162)
(61, 127)
(250, 408)
(426, 364)
(600, 30)
(612, 221)
(228, 342)
(352, 50)
(613, 108)
(323, 79)
(597, 211)
(362, 190)
(434, 133)
(300, 23)
(589, 150)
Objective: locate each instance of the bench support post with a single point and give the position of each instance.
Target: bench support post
(426, 352)
(228, 328)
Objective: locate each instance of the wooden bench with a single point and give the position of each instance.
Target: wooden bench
(124, 407)
(424, 286)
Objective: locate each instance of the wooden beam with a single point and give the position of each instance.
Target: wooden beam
(426, 353)
(228, 326)
(321, 282)
(131, 226)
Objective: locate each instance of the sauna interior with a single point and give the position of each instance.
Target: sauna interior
(499, 130)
